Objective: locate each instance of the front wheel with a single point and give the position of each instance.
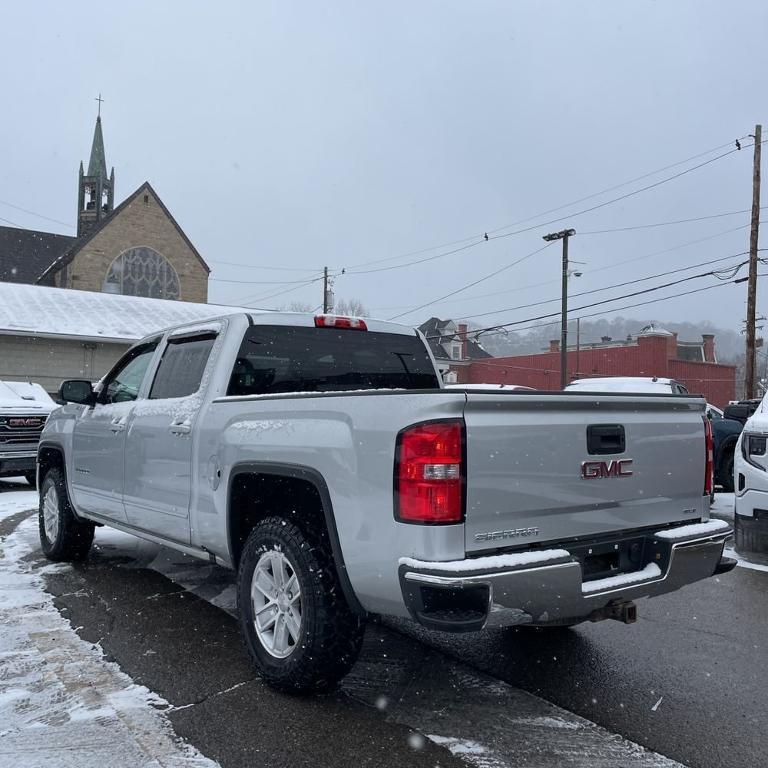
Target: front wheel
(299, 629)
(62, 535)
(727, 474)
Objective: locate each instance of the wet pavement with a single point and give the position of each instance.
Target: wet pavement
(688, 681)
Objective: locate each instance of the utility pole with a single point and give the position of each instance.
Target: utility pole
(749, 383)
(325, 290)
(563, 235)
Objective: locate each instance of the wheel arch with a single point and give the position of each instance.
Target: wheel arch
(50, 455)
(239, 523)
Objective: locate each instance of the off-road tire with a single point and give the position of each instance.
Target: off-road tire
(330, 632)
(73, 538)
(31, 477)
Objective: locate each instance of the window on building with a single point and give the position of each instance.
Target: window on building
(181, 369)
(455, 351)
(142, 271)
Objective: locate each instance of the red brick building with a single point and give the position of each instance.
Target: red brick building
(654, 352)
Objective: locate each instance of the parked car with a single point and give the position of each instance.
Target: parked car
(751, 499)
(725, 430)
(24, 407)
(322, 459)
(741, 410)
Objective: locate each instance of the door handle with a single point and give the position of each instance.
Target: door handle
(180, 429)
(117, 425)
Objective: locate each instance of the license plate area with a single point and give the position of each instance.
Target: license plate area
(600, 560)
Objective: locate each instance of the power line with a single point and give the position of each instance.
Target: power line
(666, 223)
(616, 199)
(258, 282)
(480, 238)
(265, 297)
(33, 213)
(500, 326)
(627, 282)
(12, 223)
(610, 266)
(260, 266)
(472, 284)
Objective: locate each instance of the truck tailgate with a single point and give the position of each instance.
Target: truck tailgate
(544, 467)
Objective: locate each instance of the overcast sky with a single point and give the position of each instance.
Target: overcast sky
(299, 135)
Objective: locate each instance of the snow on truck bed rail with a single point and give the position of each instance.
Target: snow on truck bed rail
(697, 529)
(651, 571)
(489, 563)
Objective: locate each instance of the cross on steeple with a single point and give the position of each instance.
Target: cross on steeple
(99, 99)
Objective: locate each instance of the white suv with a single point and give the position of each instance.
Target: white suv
(751, 486)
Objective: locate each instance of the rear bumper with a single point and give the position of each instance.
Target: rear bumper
(547, 587)
(17, 461)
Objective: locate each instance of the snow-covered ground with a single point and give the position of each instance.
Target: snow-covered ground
(61, 703)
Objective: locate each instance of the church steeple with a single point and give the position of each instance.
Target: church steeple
(97, 165)
(96, 196)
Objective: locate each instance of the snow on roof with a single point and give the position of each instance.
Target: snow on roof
(633, 384)
(39, 310)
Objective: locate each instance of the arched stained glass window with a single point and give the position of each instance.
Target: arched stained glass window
(142, 271)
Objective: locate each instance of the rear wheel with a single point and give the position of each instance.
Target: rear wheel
(299, 630)
(62, 535)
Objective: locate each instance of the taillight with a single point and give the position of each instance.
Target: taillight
(429, 473)
(335, 321)
(709, 482)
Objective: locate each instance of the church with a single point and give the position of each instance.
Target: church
(135, 249)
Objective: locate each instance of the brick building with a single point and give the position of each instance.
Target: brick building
(136, 249)
(653, 352)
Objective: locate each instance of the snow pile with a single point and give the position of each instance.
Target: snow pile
(61, 703)
(490, 563)
(697, 529)
(651, 571)
(36, 309)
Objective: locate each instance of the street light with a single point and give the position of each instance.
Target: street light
(563, 235)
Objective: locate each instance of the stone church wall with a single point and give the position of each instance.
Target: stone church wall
(139, 224)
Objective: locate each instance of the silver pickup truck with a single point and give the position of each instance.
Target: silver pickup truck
(322, 458)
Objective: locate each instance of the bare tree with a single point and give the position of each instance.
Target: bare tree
(296, 306)
(351, 307)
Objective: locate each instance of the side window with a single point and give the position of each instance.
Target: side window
(181, 369)
(123, 383)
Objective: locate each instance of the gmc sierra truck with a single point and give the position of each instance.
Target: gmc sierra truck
(322, 458)
(24, 407)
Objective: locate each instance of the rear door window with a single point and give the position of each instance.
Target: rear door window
(275, 359)
(181, 369)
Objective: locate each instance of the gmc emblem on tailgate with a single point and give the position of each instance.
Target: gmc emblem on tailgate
(591, 470)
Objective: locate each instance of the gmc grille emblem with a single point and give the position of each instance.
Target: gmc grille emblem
(25, 422)
(591, 470)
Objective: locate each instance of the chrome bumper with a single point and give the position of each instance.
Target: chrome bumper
(553, 591)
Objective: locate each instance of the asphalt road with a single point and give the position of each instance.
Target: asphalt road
(688, 681)
(703, 652)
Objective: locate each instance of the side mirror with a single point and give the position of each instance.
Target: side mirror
(77, 391)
